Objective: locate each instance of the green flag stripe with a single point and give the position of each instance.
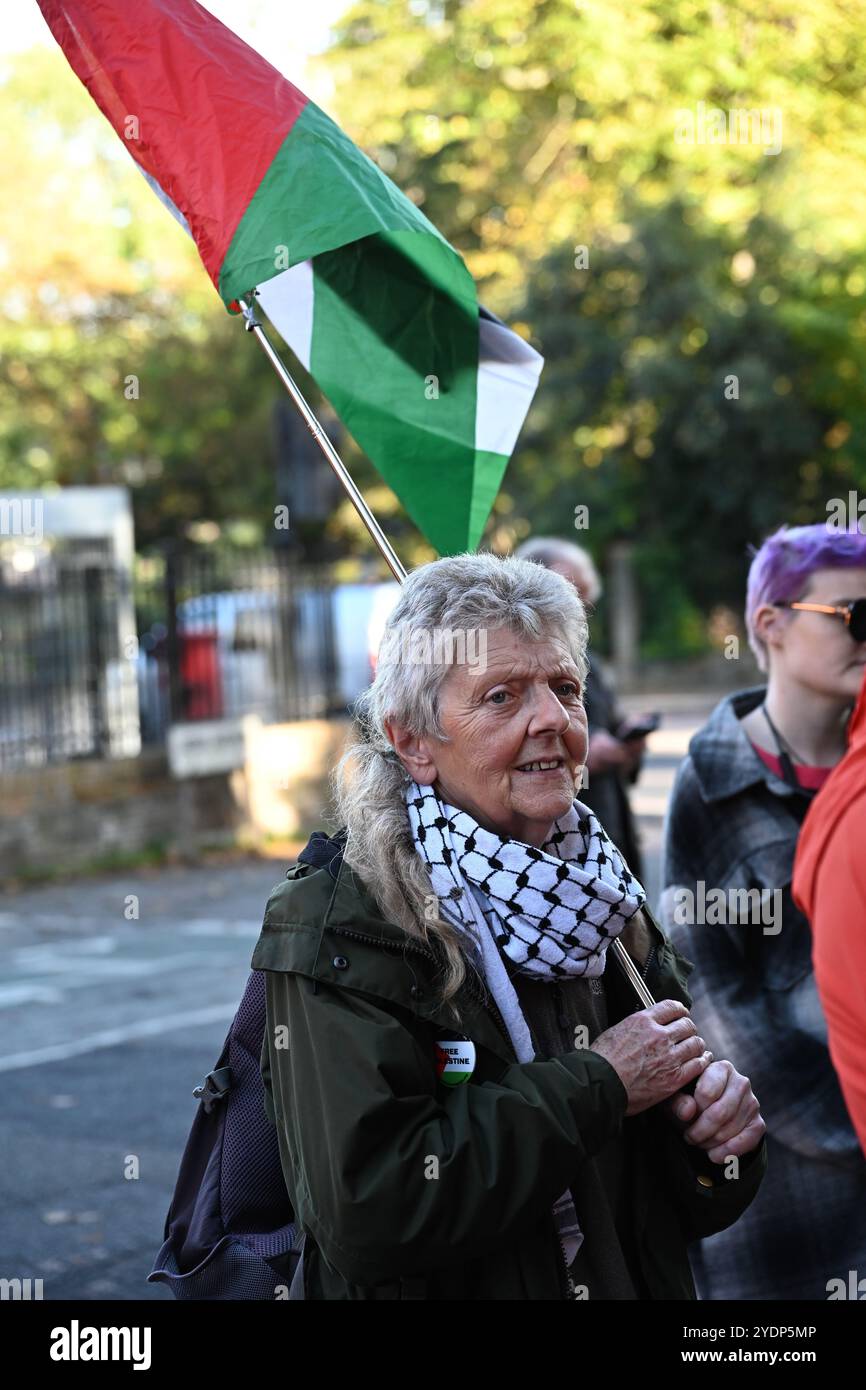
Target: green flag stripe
(320, 192)
(398, 358)
(393, 339)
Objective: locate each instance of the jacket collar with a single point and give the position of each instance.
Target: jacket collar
(411, 976)
(351, 904)
(723, 758)
(324, 851)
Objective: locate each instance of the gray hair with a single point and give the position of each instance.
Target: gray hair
(553, 550)
(463, 594)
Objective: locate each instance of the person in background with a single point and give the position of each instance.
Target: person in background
(613, 761)
(737, 804)
(830, 888)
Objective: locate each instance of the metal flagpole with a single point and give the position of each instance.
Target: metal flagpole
(317, 431)
(252, 325)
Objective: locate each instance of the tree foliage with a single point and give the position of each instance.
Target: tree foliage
(700, 302)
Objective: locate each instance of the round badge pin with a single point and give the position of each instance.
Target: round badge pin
(455, 1060)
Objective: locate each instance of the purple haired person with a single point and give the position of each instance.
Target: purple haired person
(730, 836)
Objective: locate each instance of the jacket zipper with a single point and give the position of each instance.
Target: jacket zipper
(493, 1009)
(389, 945)
(569, 1282)
(566, 1282)
(649, 961)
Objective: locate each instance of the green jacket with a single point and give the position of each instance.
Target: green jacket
(410, 1188)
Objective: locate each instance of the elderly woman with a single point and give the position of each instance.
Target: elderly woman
(468, 1105)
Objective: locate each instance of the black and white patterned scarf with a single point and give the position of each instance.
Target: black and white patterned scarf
(554, 911)
(559, 907)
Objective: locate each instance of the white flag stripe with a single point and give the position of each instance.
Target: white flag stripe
(508, 372)
(164, 199)
(508, 368)
(288, 302)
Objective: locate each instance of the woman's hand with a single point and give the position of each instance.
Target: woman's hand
(723, 1116)
(654, 1052)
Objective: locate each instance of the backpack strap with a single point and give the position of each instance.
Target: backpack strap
(214, 1087)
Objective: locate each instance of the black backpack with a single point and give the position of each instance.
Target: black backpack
(230, 1231)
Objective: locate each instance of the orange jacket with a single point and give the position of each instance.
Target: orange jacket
(829, 886)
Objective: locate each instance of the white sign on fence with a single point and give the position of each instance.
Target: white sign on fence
(205, 746)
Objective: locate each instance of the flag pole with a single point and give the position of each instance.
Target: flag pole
(252, 325)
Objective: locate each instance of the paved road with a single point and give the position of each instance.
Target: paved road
(106, 1025)
(108, 1020)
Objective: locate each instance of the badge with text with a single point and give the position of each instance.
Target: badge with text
(455, 1060)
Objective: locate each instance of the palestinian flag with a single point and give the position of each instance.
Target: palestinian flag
(370, 297)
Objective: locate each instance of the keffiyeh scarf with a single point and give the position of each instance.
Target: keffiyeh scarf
(552, 910)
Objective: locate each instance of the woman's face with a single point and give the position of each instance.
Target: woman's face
(522, 705)
(814, 649)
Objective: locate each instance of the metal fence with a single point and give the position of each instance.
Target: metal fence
(96, 662)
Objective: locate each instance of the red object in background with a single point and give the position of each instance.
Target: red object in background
(200, 675)
(829, 886)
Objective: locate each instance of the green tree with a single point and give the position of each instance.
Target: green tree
(699, 301)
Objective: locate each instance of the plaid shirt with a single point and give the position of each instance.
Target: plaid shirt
(733, 825)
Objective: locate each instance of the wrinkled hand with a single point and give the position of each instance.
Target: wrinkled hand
(723, 1116)
(655, 1052)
